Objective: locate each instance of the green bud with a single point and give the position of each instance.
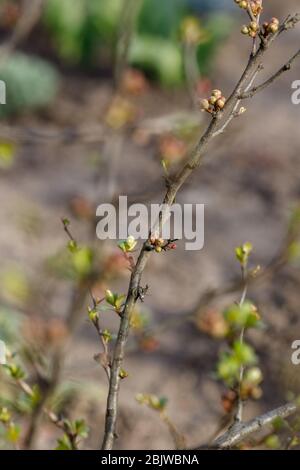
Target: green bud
(93, 315)
(107, 336)
(15, 371)
(13, 433)
(242, 253)
(123, 374)
(66, 222)
(128, 245)
(253, 376)
(5, 416)
(72, 246)
(110, 297)
(244, 353)
(242, 316)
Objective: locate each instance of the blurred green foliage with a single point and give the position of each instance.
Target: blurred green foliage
(30, 83)
(14, 285)
(71, 265)
(7, 154)
(10, 325)
(85, 31)
(79, 27)
(162, 18)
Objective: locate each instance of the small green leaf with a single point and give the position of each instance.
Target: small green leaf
(64, 443)
(152, 401)
(295, 441)
(164, 164)
(15, 371)
(123, 374)
(158, 403)
(13, 433)
(110, 297)
(242, 253)
(272, 442)
(244, 353)
(119, 302)
(82, 260)
(228, 368)
(93, 315)
(36, 396)
(107, 336)
(278, 423)
(66, 222)
(244, 315)
(115, 300)
(163, 401)
(127, 245)
(81, 429)
(253, 376)
(122, 246)
(72, 246)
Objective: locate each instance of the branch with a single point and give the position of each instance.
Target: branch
(235, 112)
(290, 22)
(238, 432)
(173, 186)
(284, 68)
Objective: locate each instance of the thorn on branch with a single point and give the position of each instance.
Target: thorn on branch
(140, 292)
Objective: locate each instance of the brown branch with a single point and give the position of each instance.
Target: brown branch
(173, 186)
(289, 23)
(239, 431)
(284, 68)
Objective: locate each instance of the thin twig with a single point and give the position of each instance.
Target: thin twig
(235, 112)
(284, 68)
(237, 434)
